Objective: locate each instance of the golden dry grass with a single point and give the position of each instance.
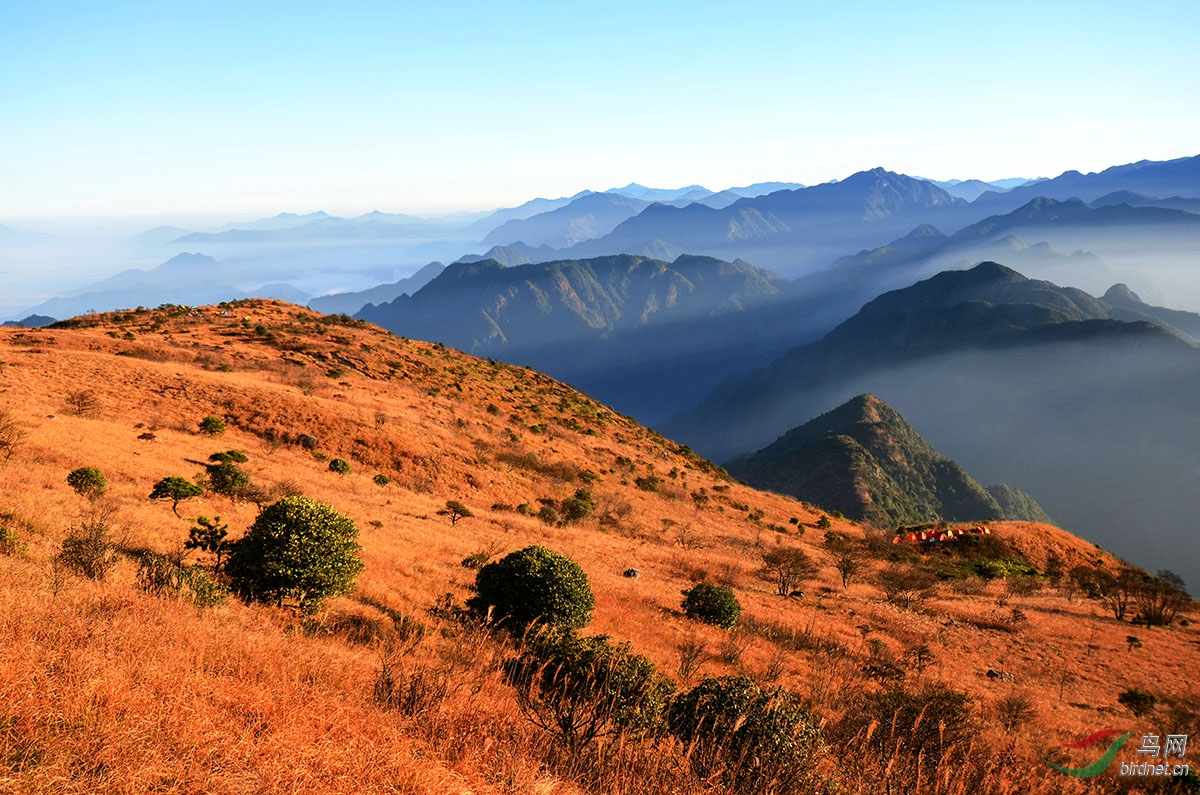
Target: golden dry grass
(106, 689)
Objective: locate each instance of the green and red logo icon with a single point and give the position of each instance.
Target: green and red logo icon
(1101, 764)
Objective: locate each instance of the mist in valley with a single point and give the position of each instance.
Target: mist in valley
(1105, 437)
(98, 265)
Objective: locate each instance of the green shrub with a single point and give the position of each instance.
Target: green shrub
(712, 604)
(212, 425)
(1140, 702)
(756, 740)
(203, 590)
(340, 466)
(10, 541)
(158, 574)
(534, 584)
(585, 688)
(297, 549)
(87, 550)
(165, 575)
(996, 568)
(175, 489)
(209, 536)
(578, 507)
(236, 456)
(476, 560)
(88, 482)
(455, 510)
(227, 478)
(651, 483)
(548, 514)
(381, 479)
(525, 509)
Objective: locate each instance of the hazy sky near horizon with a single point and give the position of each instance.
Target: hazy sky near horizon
(148, 108)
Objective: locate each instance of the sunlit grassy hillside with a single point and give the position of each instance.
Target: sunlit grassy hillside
(106, 687)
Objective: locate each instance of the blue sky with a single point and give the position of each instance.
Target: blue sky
(234, 108)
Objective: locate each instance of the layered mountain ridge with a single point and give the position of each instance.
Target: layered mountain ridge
(1086, 405)
(866, 461)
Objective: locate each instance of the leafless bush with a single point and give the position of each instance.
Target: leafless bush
(1014, 711)
(903, 586)
(733, 646)
(693, 652)
(83, 403)
(11, 436)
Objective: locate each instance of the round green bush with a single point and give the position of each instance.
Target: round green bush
(340, 466)
(548, 514)
(712, 604)
(578, 507)
(534, 584)
(757, 740)
(212, 425)
(88, 482)
(227, 478)
(381, 479)
(297, 549)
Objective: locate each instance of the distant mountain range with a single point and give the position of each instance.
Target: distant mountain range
(584, 218)
(12, 236)
(488, 310)
(968, 189)
(33, 321)
(866, 461)
(801, 230)
(184, 279)
(645, 335)
(593, 215)
(1180, 177)
(1085, 404)
(321, 229)
(1166, 238)
(352, 302)
(792, 231)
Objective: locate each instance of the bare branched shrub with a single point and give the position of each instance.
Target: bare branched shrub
(1021, 585)
(693, 652)
(11, 436)
(1014, 711)
(83, 403)
(419, 686)
(1160, 599)
(734, 646)
(787, 567)
(903, 586)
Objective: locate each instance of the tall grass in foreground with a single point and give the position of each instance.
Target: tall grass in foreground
(106, 689)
